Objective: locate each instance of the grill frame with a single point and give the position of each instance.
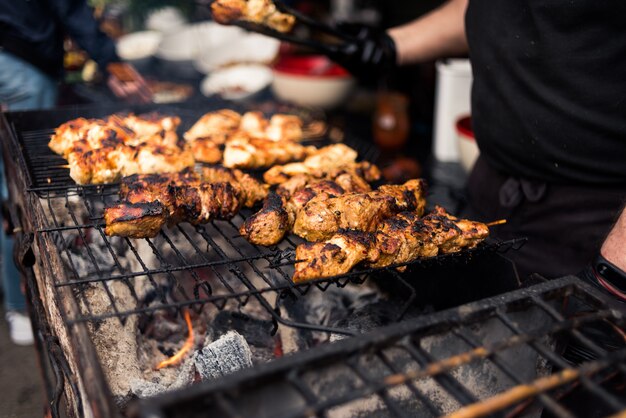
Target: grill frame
(227, 397)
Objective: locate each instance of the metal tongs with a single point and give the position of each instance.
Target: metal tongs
(302, 20)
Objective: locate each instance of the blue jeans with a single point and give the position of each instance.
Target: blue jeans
(22, 87)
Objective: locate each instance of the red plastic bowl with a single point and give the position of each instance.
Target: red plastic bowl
(310, 65)
(311, 80)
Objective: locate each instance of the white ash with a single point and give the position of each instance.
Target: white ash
(224, 356)
(143, 388)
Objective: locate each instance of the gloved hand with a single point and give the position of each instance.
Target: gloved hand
(369, 55)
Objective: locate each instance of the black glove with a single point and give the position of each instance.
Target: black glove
(370, 54)
(602, 269)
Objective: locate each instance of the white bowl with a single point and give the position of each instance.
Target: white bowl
(237, 82)
(468, 149)
(165, 20)
(187, 43)
(249, 48)
(138, 45)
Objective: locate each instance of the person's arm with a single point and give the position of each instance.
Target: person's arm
(614, 247)
(440, 33)
(77, 19)
(608, 271)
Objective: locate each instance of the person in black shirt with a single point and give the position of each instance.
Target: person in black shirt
(549, 114)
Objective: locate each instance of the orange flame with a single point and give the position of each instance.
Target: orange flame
(177, 358)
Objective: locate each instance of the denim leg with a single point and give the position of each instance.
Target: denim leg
(24, 87)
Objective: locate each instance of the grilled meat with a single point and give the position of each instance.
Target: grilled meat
(102, 151)
(262, 12)
(242, 151)
(214, 125)
(187, 196)
(334, 257)
(322, 217)
(205, 150)
(400, 239)
(135, 220)
(317, 164)
(194, 203)
(270, 225)
(252, 191)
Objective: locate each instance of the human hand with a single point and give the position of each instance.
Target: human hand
(370, 53)
(127, 84)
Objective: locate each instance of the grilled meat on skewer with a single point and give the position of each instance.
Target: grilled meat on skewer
(243, 151)
(320, 161)
(268, 228)
(321, 218)
(135, 220)
(191, 203)
(216, 125)
(354, 178)
(262, 12)
(187, 196)
(147, 188)
(252, 190)
(398, 240)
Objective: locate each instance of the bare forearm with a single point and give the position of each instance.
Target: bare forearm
(440, 33)
(614, 247)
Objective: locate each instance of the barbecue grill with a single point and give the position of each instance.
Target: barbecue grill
(91, 293)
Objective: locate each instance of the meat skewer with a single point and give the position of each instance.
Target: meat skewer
(277, 217)
(322, 217)
(398, 240)
(149, 202)
(243, 151)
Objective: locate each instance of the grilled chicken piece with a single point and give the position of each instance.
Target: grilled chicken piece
(321, 218)
(268, 226)
(245, 152)
(135, 220)
(263, 12)
(187, 196)
(317, 164)
(148, 124)
(154, 158)
(252, 191)
(350, 178)
(206, 151)
(216, 125)
(284, 128)
(194, 203)
(334, 257)
(398, 240)
(254, 124)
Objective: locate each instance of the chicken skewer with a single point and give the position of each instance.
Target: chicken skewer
(322, 217)
(398, 240)
(149, 202)
(270, 225)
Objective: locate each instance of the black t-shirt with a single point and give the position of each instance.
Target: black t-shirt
(549, 93)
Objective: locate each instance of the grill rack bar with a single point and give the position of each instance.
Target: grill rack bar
(292, 379)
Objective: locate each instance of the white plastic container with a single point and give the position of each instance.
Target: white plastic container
(452, 100)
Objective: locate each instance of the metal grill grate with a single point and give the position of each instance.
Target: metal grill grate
(554, 349)
(184, 266)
